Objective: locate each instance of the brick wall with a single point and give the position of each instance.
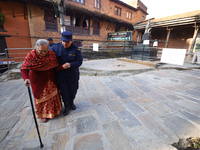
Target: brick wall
(89, 4)
(108, 8)
(37, 26)
(141, 5)
(179, 37)
(16, 27)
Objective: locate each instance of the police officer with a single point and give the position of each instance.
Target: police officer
(68, 54)
(51, 43)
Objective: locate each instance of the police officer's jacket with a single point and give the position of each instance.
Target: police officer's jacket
(71, 55)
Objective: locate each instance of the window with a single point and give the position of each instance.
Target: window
(50, 21)
(129, 15)
(1, 24)
(142, 17)
(3, 46)
(96, 28)
(118, 11)
(97, 4)
(78, 25)
(79, 1)
(1, 27)
(67, 22)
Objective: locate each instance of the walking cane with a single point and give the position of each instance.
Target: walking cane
(41, 145)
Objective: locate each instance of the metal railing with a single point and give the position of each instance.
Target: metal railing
(111, 46)
(8, 56)
(140, 52)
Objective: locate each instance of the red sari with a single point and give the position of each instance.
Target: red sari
(41, 72)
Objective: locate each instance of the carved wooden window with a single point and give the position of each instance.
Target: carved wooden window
(50, 21)
(96, 28)
(78, 25)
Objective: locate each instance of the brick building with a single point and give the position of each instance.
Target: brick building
(15, 31)
(89, 20)
(19, 31)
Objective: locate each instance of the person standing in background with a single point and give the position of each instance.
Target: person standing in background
(51, 43)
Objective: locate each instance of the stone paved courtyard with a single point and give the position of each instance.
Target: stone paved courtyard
(147, 111)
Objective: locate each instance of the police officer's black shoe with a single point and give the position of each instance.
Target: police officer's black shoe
(73, 107)
(66, 110)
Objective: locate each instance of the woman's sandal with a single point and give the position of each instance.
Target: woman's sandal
(44, 120)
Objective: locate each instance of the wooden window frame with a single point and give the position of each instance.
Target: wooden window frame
(142, 18)
(3, 46)
(129, 15)
(78, 1)
(95, 4)
(80, 29)
(96, 29)
(51, 24)
(117, 13)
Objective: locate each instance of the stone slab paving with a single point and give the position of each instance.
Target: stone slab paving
(147, 111)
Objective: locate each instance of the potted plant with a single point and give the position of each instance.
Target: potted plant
(2, 18)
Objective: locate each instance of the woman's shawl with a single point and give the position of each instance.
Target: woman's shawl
(35, 62)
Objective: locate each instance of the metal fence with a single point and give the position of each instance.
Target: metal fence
(12, 54)
(137, 50)
(131, 46)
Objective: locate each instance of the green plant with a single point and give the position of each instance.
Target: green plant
(197, 145)
(2, 18)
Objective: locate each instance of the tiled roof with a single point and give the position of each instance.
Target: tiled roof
(180, 19)
(184, 15)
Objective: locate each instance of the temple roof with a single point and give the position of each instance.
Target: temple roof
(175, 20)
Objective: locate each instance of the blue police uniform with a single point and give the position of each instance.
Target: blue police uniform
(68, 79)
(50, 45)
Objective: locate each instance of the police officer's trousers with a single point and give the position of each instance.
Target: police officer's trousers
(68, 91)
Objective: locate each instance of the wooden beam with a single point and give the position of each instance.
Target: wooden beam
(139, 35)
(108, 25)
(82, 24)
(92, 23)
(12, 9)
(30, 10)
(192, 47)
(113, 28)
(101, 24)
(25, 10)
(168, 35)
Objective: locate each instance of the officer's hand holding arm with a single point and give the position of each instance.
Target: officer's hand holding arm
(66, 65)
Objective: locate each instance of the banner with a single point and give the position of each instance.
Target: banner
(95, 46)
(173, 56)
(120, 36)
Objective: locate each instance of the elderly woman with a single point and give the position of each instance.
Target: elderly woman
(39, 69)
